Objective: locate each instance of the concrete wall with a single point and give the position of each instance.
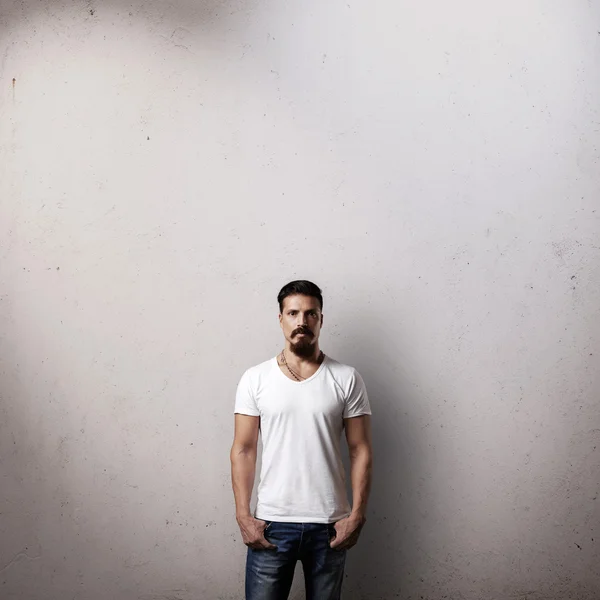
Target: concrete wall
(166, 167)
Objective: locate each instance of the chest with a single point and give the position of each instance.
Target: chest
(314, 400)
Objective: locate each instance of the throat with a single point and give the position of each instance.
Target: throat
(298, 370)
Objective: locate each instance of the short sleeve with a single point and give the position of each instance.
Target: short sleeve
(245, 403)
(357, 401)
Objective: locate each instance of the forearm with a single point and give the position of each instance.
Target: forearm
(243, 467)
(361, 461)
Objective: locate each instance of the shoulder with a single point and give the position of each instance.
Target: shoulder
(354, 393)
(260, 368)
(335, 366)
(257, 373)
(345, 375)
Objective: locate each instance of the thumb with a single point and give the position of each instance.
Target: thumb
(266, 544)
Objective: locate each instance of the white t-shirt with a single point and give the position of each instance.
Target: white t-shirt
(302, 477)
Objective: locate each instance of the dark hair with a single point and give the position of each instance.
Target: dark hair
(306, 288)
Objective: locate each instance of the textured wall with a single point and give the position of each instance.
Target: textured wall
(166, 167)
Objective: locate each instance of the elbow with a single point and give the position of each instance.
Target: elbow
(242, 451)
(361, 451)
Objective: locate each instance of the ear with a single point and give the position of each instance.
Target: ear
(321, 319)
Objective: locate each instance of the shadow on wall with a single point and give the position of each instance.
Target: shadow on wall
(386, 560)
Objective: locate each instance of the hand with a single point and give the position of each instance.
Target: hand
(346, 532)
(253, 533)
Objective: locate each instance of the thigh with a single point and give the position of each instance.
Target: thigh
(269, 573)
(323, 567)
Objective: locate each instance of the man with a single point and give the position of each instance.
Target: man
(300, 402)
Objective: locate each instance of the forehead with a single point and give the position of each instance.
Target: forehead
(301, 302)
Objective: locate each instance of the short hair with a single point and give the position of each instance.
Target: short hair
(301, 286)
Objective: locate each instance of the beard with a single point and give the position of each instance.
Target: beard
(303, 347)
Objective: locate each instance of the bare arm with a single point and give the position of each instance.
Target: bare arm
(243, 461)
(358, 436)
(243, 467)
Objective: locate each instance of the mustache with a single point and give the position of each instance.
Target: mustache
(301, 330)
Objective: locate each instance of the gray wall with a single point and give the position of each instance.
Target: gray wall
(166, 167)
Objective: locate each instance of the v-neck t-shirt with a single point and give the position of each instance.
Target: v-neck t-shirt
(302, 477)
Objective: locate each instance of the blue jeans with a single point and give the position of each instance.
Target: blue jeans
(269, 573)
